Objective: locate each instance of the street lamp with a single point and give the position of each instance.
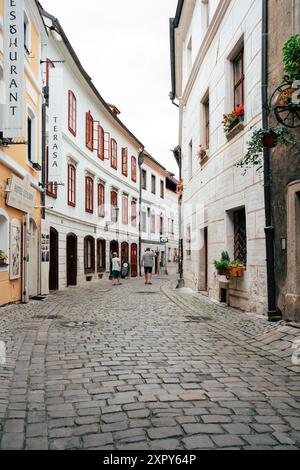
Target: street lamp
(141, 159)
(178, 157)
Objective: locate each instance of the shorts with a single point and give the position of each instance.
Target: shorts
(116, 274)
(148, 270)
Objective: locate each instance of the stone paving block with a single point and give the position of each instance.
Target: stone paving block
(237, 428)
(216, 419)
(227, 440)
(37, 443)
(94, 440)
(12, 441)
(69, 443)
(36, 430)
(198, 443)
(164, 432)
(202, 428)
(119, 426)
(166, 444)
(142, 413)
(259, 439)
(14, 426)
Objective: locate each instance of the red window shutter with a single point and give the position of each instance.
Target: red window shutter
(114, 154)
(71, 185)
(125, 210)
(100, 142)
(114, 203)
(133, 213)
(89, 194)
(89, 135)
(101, 200)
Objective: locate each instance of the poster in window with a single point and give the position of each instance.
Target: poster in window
(15, 249)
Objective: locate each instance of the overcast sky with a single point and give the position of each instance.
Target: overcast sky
(124, 47)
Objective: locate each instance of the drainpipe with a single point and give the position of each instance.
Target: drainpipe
(178, 157)
(273, 313)
(44, 159)
(140, 162)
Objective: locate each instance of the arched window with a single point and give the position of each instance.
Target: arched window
(101, 256)
(89, 255)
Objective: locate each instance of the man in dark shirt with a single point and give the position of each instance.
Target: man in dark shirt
(147, 262)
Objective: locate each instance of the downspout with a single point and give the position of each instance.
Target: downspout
(44, 159)
(273, 313)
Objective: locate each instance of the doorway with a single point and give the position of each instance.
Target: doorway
(53, 271)
(203, 261)
(33, 265)
(101, 256)
(124, 253)
(133, 259)
(71, 260)
(114, 248)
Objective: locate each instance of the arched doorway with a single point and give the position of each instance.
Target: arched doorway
(101, 256)
(53, 270)
(133, 260)
(71, 260)
(124, 253)
(33, 262)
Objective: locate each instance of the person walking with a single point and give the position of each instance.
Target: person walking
(148, 261)
(116, 270)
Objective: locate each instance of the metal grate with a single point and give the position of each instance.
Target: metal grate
(240, 235)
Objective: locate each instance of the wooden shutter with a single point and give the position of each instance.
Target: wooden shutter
(107, 145)
(125, 161)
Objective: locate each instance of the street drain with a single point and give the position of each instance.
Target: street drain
(78, 324)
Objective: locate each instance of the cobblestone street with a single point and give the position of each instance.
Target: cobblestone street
(143, 367)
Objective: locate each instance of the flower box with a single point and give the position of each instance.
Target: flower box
(236, 271)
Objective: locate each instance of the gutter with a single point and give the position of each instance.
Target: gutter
(174, 23)
(273, 312)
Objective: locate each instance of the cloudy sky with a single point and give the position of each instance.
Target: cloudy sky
(124, 46)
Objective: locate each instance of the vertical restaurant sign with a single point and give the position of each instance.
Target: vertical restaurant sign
(55, 124)
(14, 118)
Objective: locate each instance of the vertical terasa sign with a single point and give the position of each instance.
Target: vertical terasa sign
(13, 119)
(55, 124)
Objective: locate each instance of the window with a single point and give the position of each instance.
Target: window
(152, 223)
(27, 34)
(100, 142)
(188, 241)
(133, 169)
(162, 189)
(133, 213)
(89, 194)
(144, 180)
(153, 184)
(144, 222)
(89, 255)
(125, 209)
(161, 225)
(72, 113)
(29, 138)
(172, 226)
(89, 134)
(71, 185)
(114, 154)
(238, 79)
(240, 235)
(101, 256)
(51, 187)
(101, 200)
(114, 206)
(125, 161)
(206, 122)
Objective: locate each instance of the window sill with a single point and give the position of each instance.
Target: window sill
(239, 127)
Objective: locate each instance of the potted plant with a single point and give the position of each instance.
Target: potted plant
(291, 61)
(222, 264)
(3, 258)
(264, 137)
(232, 119)
(236, 268)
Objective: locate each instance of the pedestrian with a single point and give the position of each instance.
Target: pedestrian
(116, 270)
(148, 261)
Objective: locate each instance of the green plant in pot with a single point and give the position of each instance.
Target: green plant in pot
(3, 257)
(222, 264)
(264, 137)
(291, 57)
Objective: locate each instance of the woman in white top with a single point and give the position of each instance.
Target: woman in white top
(116, 270)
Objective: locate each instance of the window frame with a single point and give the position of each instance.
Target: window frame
(144, 179)
(71, 184)
(133, 169)
(72, 113)
(87, 269)
(125, 209)
(153, 184)
(89, 199)
(101, 142)
(113, 154)
(101, 200)
(162, 189)
(124, 161)
(241, 80)
(134, 213)
(114, 196)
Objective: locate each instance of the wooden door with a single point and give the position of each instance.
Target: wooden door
(133, 258)
(71, 260)
(53, 270)
(124, 253)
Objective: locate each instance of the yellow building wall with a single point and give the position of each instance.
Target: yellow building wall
(11, 290)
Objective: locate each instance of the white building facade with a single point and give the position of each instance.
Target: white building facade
(93, 211)
(217, 69)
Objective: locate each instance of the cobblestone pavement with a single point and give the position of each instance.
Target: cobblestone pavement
(140, 367)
